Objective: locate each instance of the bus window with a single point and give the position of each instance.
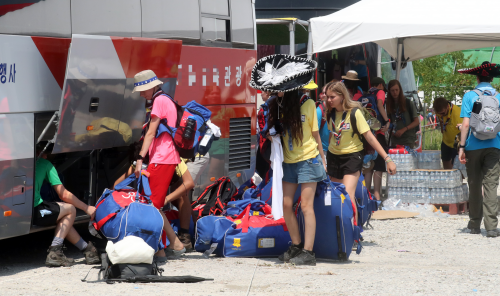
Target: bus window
(242, 22)
(218, 7)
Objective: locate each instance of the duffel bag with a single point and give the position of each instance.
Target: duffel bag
(204, 231)
(257, 207)
(335, 230)
(124, 211)
(254, 236)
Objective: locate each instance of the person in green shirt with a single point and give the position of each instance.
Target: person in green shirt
(61, 214)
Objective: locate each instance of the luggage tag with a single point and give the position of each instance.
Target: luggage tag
(328, 196)
(209, 252)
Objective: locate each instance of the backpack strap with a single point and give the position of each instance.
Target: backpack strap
(321, 105)
(304, 99)
(354, 122)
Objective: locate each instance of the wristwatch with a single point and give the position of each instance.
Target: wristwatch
(140, 157)
(460, 146)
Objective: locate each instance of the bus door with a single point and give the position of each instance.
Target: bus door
(98, 109)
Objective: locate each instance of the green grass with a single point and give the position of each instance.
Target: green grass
(432, 139)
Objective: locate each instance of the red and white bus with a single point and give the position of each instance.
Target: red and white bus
(66, 75)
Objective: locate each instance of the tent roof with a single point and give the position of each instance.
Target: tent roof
(429, 27)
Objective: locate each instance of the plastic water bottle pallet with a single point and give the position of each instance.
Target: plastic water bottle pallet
(454, 208)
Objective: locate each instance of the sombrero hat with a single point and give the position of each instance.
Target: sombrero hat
(282, 73)
(486, 69)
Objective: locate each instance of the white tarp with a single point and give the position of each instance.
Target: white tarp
(429, 27)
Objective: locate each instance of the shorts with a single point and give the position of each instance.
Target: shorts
(448, 153)
(343, 164)
(379, 161)
(47, 219)
(198, 165)
(306, 171)
(159, 181)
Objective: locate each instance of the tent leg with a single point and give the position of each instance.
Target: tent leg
(291, 28)
(309, 42)
(399, 57)
(254, 25)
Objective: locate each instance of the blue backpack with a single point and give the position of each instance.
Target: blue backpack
(369, 102)
(191, 135)
(124, 211)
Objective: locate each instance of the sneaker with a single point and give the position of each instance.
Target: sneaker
(475, 231)
(160, 260)
(305, 257)
(185, 239)
(292, 251)
(56, 257)
(91, 255)
(172, 254)
(492, 233)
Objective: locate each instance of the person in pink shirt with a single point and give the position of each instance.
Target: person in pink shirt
(351, 82)
(163, 156)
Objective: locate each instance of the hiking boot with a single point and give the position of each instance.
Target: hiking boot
(305, 257)
(56, 257)
(292, 251)
(475, 231)
(492, 233)
(172, 254)
(91, 255)
(185, 239)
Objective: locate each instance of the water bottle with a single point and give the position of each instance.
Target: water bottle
(189, 129)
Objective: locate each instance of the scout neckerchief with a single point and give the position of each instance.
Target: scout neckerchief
(342, 126)
(399, 115)
(149, 108)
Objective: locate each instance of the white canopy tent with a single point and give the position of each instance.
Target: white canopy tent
(425, 27)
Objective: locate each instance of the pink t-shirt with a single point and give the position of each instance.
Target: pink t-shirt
(162, 149)
(357, 95)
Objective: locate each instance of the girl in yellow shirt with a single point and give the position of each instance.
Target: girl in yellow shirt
(345, 152)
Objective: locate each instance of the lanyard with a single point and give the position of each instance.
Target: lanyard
(342, 126)
(448, 119)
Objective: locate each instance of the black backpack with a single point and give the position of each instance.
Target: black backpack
(215, 198)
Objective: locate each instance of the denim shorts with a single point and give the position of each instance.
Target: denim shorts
(306, 171)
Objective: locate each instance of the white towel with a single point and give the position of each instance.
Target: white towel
(277, 166)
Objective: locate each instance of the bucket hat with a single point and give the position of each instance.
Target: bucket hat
(282, 73)
(486, 69)
(351, 75)
(311, 85)
(145, 80)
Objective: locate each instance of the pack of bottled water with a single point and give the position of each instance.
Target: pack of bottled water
(433, 195)
(426, 179)
(460, 166)
(429, 160)
(404, 162)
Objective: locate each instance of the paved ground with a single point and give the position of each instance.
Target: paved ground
(424, 256)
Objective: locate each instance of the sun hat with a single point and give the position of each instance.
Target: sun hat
(145, 80)
(486, 69)
(282, 73)
(311, 85)
(351, 75)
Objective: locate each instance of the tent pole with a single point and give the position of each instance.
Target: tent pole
(254, 26)
(399, 57)
(309, 41)
(291, 28)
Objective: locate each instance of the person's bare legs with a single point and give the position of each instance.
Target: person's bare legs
(377, 184)
(65, 220)
(447, 165)
(175, 243)
(307, 206)
(185, 211)
(290, 218)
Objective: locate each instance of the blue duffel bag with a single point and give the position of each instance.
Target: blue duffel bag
(123, 211)
(335, 232)
(235, 208)
(365, 203)
(204, 231)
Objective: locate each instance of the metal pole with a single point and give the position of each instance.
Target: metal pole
(422, 130)
(492, 51)
(379, 61)
(309, 42)
(52, 120)
(291, 28)
(398, 59)
(254, 26)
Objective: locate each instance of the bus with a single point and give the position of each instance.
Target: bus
(66, 77)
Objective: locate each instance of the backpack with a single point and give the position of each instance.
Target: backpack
(190, 128)
(321, 106)
(215, 198)
(485, 125)
(369, 102)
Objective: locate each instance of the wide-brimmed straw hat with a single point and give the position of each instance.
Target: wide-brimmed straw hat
(486, 69)
(282, 73)
(351, 75)
(145, 80)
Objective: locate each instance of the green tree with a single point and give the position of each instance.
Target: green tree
(438, 76)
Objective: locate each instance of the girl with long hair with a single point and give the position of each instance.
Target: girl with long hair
(304, 164)
(345, 152)
(403, 114)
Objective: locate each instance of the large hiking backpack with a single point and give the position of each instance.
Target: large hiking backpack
(485, 125)
(121, 212)
(215, 198)
(190, 128)
(369, 102)
(335, 230)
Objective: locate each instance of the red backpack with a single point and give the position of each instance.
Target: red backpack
(321, 106)
(215, 198)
